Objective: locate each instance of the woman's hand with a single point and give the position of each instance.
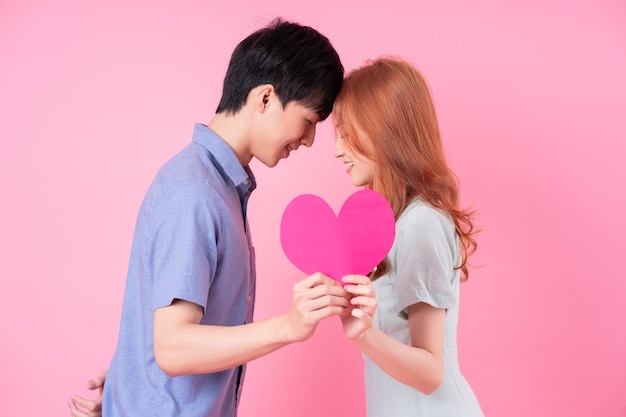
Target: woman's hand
(364, 304)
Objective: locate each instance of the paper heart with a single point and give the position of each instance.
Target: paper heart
(316, 240)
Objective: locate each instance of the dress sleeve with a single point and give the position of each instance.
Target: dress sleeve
(185, 244)
(424, 259)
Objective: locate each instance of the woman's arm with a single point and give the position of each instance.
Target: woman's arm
(419, 365)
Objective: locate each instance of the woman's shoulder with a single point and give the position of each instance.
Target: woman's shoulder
(426, 221)
(419, 211)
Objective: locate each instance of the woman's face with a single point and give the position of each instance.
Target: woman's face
(360, 169)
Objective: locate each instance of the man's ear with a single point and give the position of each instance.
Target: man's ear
(262, 96)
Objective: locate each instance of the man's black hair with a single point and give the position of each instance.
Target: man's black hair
(297, 60)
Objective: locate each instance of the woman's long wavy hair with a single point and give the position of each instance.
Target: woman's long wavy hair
(385, 112)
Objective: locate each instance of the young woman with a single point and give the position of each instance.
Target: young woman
(389, 139)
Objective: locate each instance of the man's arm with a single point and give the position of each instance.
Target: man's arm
(195, 348)
(183, 346)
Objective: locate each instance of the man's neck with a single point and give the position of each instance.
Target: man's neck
(234, 131)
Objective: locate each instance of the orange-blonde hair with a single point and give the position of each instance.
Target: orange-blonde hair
(385, 112)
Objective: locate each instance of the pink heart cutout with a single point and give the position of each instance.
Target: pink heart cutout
(316, 240)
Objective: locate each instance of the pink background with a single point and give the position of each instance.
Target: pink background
(95, 96)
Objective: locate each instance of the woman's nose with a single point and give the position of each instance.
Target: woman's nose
(338, 148)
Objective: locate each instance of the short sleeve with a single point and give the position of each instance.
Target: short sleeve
(425, 253)
(184, 245)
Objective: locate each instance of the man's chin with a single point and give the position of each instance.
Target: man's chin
(271, 163)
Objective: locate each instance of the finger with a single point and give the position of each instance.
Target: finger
(370, 310)
(320, 291)
(75, 411)
(312, 318)
(309, 305)
(358, 313)
(363, 301)
(369, 304)
(361, 290)
(316, 279)
(98, 381)
(361, 323)
(363, 316)
(87, 404)
(356, 279)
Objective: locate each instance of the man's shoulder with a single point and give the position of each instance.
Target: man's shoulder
(191, 164)
(190, 174)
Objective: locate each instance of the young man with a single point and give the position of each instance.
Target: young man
(187, 329)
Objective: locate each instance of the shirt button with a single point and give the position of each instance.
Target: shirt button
(246, 182)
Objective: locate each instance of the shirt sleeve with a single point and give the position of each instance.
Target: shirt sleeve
(424, 261)
(185, 244)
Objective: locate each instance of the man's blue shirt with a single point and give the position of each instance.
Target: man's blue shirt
(191, 242)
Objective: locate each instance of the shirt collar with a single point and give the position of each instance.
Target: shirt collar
(225, 159)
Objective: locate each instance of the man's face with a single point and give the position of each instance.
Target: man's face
(283, 130)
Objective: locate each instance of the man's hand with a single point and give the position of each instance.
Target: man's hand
(82, 407)
(315, 298)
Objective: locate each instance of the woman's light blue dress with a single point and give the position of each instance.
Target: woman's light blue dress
(423, 257)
